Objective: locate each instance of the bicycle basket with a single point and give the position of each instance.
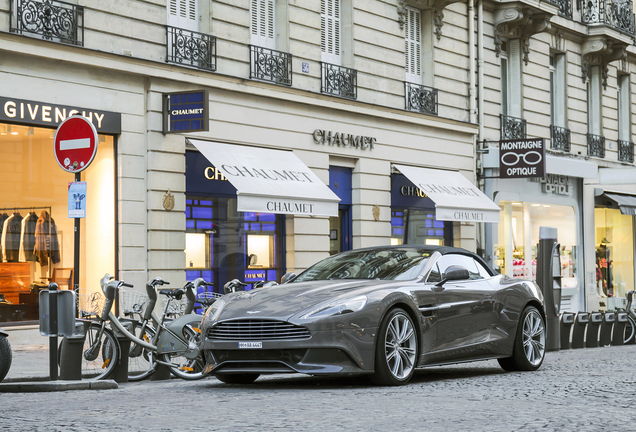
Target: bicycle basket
(133, 303)
(205, 297)
(91, 303)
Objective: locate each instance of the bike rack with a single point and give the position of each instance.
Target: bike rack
(619, 328)
(567, 322)
(71, 350)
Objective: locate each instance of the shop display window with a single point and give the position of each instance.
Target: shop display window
(223, 244)
(36, 243)
(413, 226)
(614, 252)
(518, 238)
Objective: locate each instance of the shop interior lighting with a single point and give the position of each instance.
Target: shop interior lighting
(101, 138)
(516, 204)
(546, 205)
(30, 131)
(4, 130)
(10, 131)
(52, 134)
(536, 205)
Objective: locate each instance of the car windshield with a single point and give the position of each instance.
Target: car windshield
(385, 264)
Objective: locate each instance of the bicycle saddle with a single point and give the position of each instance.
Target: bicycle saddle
(176, 293)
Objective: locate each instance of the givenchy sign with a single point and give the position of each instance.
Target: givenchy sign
(522, 158)
(343, 140)
(44, 114)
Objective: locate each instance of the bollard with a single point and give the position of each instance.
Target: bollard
(606, 328)
(618, 334)
(578, 330)
(567, 322)
(591, 335)
(161, 373)
(71, 351)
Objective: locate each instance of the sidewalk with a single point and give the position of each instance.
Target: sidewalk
(30, 363)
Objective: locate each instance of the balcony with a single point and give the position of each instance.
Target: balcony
(339, 81)
(420, 98)
(560, 138)
(512, 128)
(565, 8)
(55, 21)
(625, 151)
(595, 145)
(189, 48)
(616, 14)
(270, 65)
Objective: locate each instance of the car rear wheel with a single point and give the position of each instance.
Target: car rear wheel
(529, 345)
(396, 349)
(237, 378)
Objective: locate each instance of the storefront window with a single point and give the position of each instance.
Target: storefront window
(37, 235)
(518, 237)
(411, 226)
(223, 244)
(614, 252)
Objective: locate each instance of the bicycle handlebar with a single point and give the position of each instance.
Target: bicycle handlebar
(127, 285)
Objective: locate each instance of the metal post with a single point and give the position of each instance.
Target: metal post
(53, 332)
(76, 256)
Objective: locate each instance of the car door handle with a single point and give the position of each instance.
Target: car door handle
(429, 310)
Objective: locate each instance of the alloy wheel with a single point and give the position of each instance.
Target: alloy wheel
(400, 346)
(534, 337)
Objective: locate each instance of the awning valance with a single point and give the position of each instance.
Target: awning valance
(270, 181)
(626, 203)
(455, 197)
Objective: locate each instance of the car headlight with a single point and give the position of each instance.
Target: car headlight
(214, 311)
(338, 307)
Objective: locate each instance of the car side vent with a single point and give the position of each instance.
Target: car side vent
(257, 330)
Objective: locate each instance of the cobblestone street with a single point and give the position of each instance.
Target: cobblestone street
(575, 390)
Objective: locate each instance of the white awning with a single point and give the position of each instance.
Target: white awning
(270, 181)
(455, 197)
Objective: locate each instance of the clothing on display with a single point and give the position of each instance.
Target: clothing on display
(11, 237)
(46, 244)
(27, 237)
(3, 217)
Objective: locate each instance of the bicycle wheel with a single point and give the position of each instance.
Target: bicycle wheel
(183, 367)
(630, 329)
(141, 362)
(99, 356)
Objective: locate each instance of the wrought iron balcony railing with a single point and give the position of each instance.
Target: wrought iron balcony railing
(339, 81)
(420, 98)
(595, 145)
(270, 65)
(560, 138)
(625, 151)
(617, 14)
(190, 48)
(51, 20)
(565, 8)
(512, 127)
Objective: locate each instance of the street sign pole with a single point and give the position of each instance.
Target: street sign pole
(76, 254)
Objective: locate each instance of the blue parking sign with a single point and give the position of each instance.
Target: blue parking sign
(77, 199)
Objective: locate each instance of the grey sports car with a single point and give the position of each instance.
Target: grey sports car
(383, 311)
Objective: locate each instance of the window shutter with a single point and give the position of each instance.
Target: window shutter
(515, 78)
(183, 14)
(413, 46)
(559, 90)
(624, 129)
(330, 26)
(263, 32)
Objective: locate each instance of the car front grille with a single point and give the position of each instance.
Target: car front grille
(259, 330)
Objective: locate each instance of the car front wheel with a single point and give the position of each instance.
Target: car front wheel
(396, 349)
(529, 345)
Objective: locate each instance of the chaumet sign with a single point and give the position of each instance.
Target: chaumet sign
(34, 113)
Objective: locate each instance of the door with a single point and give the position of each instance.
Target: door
(465, 312)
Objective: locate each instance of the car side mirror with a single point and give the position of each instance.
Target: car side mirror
(288, 277)
(454, 273)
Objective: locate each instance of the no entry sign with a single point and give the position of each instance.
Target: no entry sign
(75, 144)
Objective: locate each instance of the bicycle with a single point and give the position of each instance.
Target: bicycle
(171, 343)
(630, 327)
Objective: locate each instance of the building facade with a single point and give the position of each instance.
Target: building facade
(352, 90)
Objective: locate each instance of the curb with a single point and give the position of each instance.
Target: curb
(55, 386)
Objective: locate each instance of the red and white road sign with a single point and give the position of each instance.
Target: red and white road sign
(75, 144)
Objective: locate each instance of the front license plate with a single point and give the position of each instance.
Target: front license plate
(250, 345)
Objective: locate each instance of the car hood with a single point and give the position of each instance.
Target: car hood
(281, 302)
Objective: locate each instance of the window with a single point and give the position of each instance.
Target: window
(183, 14)
(412, 226)
(624, 124)
(330, 31)
(263, 28)
(511, 78)
(614, 252)
(413, 45)
(518, 234)
(594, 101)
(557, 90)
(459, 260)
